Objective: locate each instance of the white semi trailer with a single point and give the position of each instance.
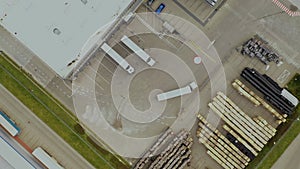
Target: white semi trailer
(47, 160)
(177, 92)
(136, 49)
(116, 57)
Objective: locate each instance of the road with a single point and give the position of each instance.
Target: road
(290, 158)
(35, 133)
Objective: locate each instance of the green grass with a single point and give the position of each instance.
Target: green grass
(287, 131)
(294, 86)
(55, 115)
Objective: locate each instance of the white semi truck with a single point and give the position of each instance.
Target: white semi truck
(177, 92)
(116, 57)
(136, 49)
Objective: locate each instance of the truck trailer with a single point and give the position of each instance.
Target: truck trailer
(177, 92)
(117, 58)
(138, 51)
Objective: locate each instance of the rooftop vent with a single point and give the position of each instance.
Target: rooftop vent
(84, 2)
(56, 31)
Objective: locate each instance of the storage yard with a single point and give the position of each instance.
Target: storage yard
(244, 136)
(260, 114)
(249, 116)
(157, 64)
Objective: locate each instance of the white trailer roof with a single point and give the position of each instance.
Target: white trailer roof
(15, 159)
(174, 93)
(10, 128)
(135, 48)
(111, 52)
(119, 59)
(49, 162)
(57, 30)
(285, 93)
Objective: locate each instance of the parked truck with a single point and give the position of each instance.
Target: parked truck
(177, 92)
(117, 58)
(138, 51)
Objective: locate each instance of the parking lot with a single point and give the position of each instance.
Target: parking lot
(200, 11)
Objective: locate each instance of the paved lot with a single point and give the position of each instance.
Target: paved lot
(290, 158)
(104, 76)
(233, 23)
(200, 11)
(35, 133)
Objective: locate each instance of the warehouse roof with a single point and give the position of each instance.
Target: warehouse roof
(57, 30)
(12, 156)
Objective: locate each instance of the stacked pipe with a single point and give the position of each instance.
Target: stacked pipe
(247, 134)
(236, 126)
(221, 152)
(248, 149)
(239, 117)
(271, 92)
(219, 147)
(223, 140)
(244, 117)
(153, 150)
(246, 94)
(263, 123)
(176, 155)
(281, 118)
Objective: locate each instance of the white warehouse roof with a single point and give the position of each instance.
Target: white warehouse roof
(12, 157)
(57, 30)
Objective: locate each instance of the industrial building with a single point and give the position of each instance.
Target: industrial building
(60, 33)
(12, 157)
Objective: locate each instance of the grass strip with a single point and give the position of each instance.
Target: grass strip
(56, 116)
